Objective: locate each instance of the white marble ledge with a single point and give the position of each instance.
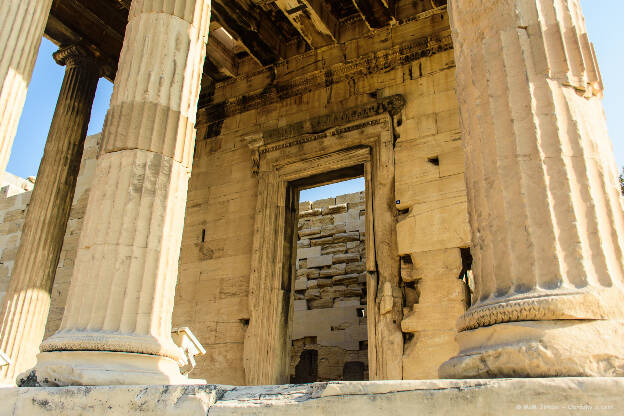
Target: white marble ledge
(553, 396)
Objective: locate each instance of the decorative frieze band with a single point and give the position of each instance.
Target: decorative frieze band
(370, 64)
(392, 105)
(321, 127)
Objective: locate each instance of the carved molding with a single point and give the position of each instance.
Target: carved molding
(392, 105)
(369, 142)
(321, 127)
(366, 65)
(75, 55)
(546, 308)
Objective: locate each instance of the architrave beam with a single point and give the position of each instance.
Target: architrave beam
(252, 27)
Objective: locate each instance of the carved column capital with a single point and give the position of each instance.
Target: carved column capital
(74, 56)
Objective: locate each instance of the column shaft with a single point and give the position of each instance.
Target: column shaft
(25, 310)
(122, 290)
(546, 215)
(22, 23)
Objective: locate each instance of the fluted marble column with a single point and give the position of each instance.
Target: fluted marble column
(544, 202)
(117, 323)
(25, 310)
(22, 23)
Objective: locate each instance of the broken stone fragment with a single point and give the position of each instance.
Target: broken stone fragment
(323, 203)
(313, 273)
(346, 279)
(319, 261)
(346, 237)
(346, 258)
(310, 213)
(321, 241)
(303, 243)
(335, 270)
(313, 294)
(355, 268)
(335, 209)
(353, 292)
(320, 303)
(332, 229)
(304, 206)
(310, 233)
(324, 282)
(338, 248)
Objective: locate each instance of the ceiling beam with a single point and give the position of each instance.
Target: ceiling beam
(252, 27)
(220, 59)
(313, 19)
(376, 13)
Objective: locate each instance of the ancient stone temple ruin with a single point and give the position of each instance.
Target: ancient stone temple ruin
(164, 264)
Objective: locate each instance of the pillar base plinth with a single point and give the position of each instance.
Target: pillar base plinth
(102, 368)
(573, 348)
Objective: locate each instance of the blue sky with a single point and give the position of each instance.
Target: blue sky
(604, 26)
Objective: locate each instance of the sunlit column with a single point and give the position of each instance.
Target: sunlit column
(117, 323)
(544, 202)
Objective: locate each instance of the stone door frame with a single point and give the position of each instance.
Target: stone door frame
(282, 164)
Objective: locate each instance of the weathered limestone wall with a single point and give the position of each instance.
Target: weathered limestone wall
(330, 289)
(414, 59)
(12, 214)
(14, 198)
(213, 280)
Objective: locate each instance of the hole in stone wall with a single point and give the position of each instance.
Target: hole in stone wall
(203, 237)
(434, 161)
(330, 279)
(466, 273)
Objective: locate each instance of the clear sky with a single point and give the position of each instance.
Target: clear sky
(606, 31)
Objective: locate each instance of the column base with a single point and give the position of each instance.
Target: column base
(102, 368)
(561, 348)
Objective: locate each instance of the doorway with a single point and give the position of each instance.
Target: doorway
(328, 334)
(284, 166)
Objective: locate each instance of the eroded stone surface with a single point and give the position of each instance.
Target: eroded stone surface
(559, 396)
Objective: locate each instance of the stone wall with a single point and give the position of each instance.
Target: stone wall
(330, 289)
(413, 58)
(12, 214)
(14, 200)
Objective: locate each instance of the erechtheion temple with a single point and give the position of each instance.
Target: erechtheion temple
(168, 266)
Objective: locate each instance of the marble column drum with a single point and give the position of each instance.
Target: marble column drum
(25, 310)
(116, 327)
(544, 202)
(22, 23)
